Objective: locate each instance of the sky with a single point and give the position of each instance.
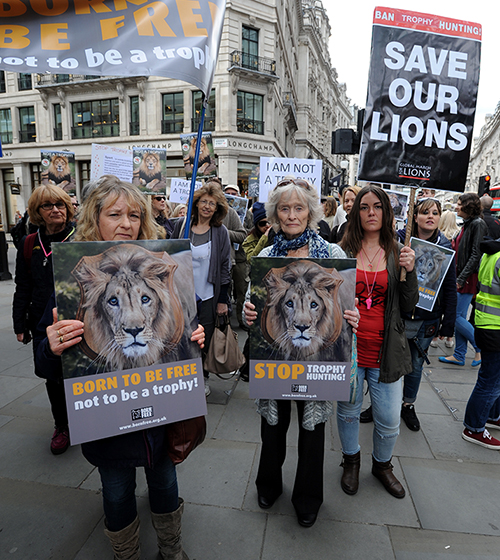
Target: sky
(351, 24)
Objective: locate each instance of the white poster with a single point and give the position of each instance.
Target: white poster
(179, 190)
(108, 160)
(273, 170)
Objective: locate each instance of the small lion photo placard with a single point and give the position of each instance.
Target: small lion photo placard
(58, 169)
(300, 344)
(136, 366)
(150, 170)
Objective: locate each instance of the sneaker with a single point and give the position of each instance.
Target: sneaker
(434, 343)
(410, 418)
(449, 343)
(495, 424)
(207, 387)
(481, 438)
(60, 441)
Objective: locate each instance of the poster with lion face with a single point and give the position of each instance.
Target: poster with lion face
(300, 345)
(58, 168)
(136, 365)
(150, 170)
(431, 263)
(206, 161)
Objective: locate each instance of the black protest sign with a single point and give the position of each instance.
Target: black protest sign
(422, 92)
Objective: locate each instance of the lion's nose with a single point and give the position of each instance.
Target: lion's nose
(134, 331)
(301, 328)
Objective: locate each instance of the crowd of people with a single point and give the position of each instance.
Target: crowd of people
(391, 335)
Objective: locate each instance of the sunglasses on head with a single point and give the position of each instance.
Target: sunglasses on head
(298, 182)
(263, 223)
(419, 201)
(159, 198)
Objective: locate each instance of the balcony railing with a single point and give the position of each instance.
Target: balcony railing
(252, 62)
(171, 126)
(6, 137)
(28, 135)
(250, 126)
(208, 124)
(134, 128)
(93, 131)
(50, 79)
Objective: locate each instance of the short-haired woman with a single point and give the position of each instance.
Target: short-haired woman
(49, 208)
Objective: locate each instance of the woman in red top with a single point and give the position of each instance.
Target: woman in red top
(383, 351)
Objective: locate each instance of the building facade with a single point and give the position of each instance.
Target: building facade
(275, 93)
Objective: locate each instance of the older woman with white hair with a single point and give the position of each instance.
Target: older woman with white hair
(294, 210)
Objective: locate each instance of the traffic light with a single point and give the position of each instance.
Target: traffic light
(484, 184)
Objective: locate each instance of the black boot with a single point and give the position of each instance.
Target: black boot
(383, 471)
(350, 477)
(366, 416)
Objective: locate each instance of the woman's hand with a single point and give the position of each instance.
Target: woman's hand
(20, 337)
(407, 258)
(250, 313)
(221, 309)
(352, 316)
(63, 334)
(199, 336)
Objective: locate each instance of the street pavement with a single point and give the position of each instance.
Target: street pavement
(50, 507)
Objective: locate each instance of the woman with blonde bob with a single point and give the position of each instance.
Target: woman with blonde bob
(348, 197)
(49, 208)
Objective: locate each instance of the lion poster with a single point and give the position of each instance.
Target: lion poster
(58, 168)
(136, 365)
(206, 161)
(150, 170)
(431, 263)
(301, 345)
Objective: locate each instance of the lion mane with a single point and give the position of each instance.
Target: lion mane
(302, 315)
(129, 305)
(205, 163)
(428, 264)
(150, 170)
(59, 171)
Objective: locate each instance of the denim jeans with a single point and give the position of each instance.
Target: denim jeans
(484, 402)
(464, 331)
(386, 406)
(118, 492)
(411, 382)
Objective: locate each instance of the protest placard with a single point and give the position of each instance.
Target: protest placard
(273, 170)
(150, 170)
(239, 204)
(58, 168)
(300, 345)
(431, 264)
(179, 189)
(110, 160)
(206, 162)
(399, 203)
(136, 366)
(422, 93)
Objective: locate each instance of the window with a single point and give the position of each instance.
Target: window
(24, 82)
(61, 78)
(57, 122)
(2, 82)
(209, 122)
(5, 126)
(250, 113)
(134, 115)
(250, 48)
(97, 118)
(84, 171)
(173, 113)
(36, 175)
(27, 132)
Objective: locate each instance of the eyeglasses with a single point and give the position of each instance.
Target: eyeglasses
(263, 223)
(160, 198)
(207, 203)
(76, 204)
(49, 205)
(298, 182)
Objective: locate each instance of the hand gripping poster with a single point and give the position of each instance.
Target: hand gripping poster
(300, 344)
(421, 102)
(136, 366)
(431, 264)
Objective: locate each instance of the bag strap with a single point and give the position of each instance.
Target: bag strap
(29, 243)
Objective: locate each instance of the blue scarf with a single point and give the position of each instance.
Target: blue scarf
(318, 247)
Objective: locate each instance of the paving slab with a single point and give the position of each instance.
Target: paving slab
(241, 422)
(31, 404)
(412, 544)
(11, 388)
(453, 496)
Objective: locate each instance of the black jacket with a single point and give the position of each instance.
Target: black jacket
(492, 223)
(469, 253)
(445, 307)
(35, 286)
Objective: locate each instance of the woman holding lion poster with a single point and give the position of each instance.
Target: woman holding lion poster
(118, 211)
(294, 210)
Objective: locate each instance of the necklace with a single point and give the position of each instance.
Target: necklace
(47, 255)
(369, 299)
(370, 262)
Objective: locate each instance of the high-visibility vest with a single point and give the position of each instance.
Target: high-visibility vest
(487, 315)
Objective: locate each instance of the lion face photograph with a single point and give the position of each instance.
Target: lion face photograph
(302, 310)
(57, 170)
(135, 305)
(206, 162)
(149, 170)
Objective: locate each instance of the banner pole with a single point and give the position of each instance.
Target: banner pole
(409, 227)
(195, 167)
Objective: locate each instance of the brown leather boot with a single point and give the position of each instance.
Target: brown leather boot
(383, 471)
(350, 477)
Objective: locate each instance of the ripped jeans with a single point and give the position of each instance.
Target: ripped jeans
(386, 405)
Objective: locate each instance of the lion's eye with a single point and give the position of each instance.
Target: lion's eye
(314, 305)
(289, 303)
(113, 301)
(145, 299)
